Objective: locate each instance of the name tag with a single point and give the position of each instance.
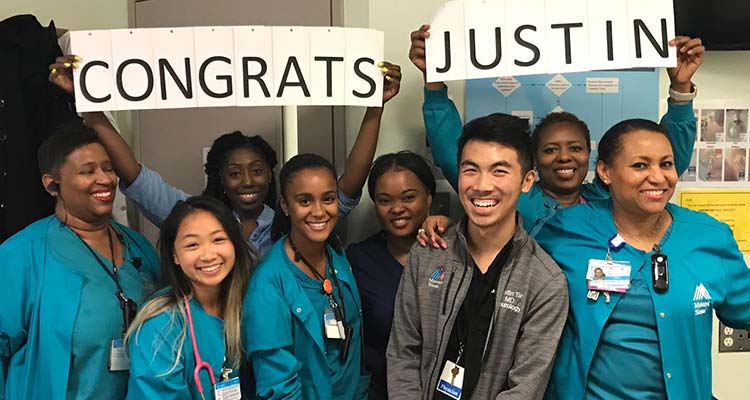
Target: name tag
(228, 390)
(608, 276)
(334, 328)
(119, 360)
(451, 380)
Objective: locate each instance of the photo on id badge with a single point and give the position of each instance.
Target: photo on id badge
(608, 276)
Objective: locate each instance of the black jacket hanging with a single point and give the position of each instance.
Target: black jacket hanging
(31, 109)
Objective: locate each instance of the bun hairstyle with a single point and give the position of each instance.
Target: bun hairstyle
(402, 161)
(281, 223)
(217, 157)
(612, 141)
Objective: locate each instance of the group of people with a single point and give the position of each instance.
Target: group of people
(250, 294)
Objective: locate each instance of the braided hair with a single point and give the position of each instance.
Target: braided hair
(217, 158)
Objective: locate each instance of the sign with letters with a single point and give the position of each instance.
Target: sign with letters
(472, 39)
(136, 69)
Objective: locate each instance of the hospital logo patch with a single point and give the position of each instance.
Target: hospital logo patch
(701, 300)
(437, 278)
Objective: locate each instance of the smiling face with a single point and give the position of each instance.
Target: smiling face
(311, 201)
(246, 176)
(203, 251)
(490, 180)
(642, 176)
(402, 202)
(87, 183)
(562, 158)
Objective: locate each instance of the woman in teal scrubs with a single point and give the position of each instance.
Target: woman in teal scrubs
(206, 264)
(302, 323)
(72, 282)
(651, 340)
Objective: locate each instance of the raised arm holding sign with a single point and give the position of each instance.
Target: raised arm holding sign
(490, 38)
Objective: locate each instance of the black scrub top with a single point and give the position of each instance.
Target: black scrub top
(378, 275)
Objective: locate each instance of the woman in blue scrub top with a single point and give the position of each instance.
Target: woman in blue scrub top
(401, 185)
(561, 141)
(72, 282)
(206, 264)
(239, 168)
(302, 325)
(653, 339)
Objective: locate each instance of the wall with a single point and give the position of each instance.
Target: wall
(76, 15)
(402, 126)
(723, 76)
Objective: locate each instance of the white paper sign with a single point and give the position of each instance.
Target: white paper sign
(174, 68)
(94, 93)
(226, 66)
(254, 82)
(328, 52)
(364, 80)
(547, 37)
(447, 32)
(214, 53)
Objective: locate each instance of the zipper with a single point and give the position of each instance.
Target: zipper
(442, 332)
(447, 290)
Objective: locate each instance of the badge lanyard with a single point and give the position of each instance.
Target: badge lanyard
(339, 311)
(128, 306)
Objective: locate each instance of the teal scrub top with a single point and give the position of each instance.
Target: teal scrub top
(707, 273)
(59, 312)
(155, 370)
(283, 333)
(443, 127)
(629, 342)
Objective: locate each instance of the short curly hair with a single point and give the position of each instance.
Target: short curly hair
(554, 118)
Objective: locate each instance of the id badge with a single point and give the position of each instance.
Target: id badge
(228, 390)
(334, 328)
(119, 360)
(608, 276)
(451, 380)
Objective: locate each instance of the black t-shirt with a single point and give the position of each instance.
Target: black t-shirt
(473, 323)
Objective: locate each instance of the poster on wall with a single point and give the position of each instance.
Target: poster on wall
(729, 206)
(722, 147)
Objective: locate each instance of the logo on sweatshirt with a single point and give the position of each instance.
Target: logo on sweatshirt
(701, 300)
(437, 277)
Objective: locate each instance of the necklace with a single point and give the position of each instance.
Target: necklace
(657, 225)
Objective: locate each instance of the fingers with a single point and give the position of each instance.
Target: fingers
(422, 237)
(693, 47)
(392, 72)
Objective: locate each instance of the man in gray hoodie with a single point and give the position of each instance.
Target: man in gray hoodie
(482, 318)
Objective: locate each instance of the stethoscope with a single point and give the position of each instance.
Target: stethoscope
(199, 363)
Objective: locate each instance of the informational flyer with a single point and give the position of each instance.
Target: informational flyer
(721, 150)
(729, 206)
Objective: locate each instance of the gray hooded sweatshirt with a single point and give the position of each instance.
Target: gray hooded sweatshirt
(530, 311)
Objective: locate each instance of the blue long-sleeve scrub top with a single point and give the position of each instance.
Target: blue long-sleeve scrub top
(59, 312)
(155, 370)
(284, 336)
(643, 344)
(443, 126)
(156, 198)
